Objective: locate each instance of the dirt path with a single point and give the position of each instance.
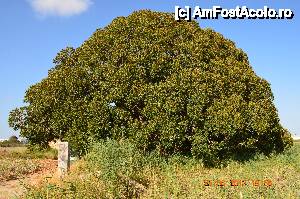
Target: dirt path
(15, 188)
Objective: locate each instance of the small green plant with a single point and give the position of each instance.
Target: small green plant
(120, 166)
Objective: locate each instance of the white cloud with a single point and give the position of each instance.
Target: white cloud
(60, 7)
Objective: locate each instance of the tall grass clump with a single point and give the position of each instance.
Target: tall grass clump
(120, 165)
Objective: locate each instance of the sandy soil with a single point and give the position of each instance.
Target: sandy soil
(15, 188)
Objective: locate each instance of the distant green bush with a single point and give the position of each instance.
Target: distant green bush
(11, 142)
(28, 153)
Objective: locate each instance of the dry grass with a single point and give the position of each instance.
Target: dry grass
(12, 167)
(9, 150)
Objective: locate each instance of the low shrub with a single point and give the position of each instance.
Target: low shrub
(120, 166)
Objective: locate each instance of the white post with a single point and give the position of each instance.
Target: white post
(63, 158)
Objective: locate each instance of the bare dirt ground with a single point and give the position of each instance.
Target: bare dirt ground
(15, 188)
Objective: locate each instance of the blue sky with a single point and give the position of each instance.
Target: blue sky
(33, 31)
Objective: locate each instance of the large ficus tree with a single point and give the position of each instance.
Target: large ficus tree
(165, 85)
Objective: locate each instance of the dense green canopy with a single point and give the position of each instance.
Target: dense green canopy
(165, 85)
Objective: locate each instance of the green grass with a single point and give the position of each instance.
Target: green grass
(128, 175)
(25, 153)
